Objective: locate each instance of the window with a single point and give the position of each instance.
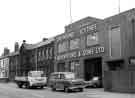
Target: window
(92, 39)
(115, 42)
(43, 54)
(74, 67)
(74, 44)
(51, 53)
(47, 53)
(62, 47)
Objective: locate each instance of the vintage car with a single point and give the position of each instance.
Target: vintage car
(96, 81)
(65, 81)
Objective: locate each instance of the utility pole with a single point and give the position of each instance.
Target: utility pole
(119, 5)
(70, 10)
(36, 58)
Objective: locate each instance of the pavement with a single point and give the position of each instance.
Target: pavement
(100, 93)
(12, 88)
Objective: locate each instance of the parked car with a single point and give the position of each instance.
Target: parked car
(96, 81)
(65, 81)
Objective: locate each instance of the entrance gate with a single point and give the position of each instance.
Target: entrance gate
(92, 67)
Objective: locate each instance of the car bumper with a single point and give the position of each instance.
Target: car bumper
(38, 84)
(76, 87)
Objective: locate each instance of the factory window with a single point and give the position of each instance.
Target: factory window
(74, 44)
(115, 42)
(62, 47)
(92, 39)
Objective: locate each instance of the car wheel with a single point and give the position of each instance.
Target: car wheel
(81, 89)
(42, 87)
(66, 89)
(27, 85)
(19, 85)
(53, 88)
(95, 85)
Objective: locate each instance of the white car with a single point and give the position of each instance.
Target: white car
(96, 81)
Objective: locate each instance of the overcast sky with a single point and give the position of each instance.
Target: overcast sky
(33, 20)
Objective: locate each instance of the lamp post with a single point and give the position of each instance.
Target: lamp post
(36, 58)
(119, 5)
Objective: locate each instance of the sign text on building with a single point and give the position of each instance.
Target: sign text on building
(85, 52)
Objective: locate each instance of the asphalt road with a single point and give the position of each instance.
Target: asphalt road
(10, 90)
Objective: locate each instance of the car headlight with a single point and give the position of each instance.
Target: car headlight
(95, 78)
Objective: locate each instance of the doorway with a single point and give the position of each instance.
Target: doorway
(92, 67)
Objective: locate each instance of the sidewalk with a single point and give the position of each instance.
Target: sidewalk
(100, 93)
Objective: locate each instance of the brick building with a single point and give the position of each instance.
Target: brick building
(80, 48)
(38, 56)
(105, 48)
(119, 39)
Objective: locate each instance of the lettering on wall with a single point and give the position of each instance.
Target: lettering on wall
(85, 52)
(88, 28)
(83, 28)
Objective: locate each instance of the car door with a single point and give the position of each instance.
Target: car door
(60, 81)
(51, 80)
(57, 81)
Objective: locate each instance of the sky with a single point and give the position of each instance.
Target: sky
(33, 20)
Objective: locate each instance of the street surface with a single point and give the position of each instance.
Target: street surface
(10, 90)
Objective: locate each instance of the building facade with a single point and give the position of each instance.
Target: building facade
(119, 39)
(13, 65)
(104, 48)
(38, 56)
(4, 68)
(89, 47)
(80, 48)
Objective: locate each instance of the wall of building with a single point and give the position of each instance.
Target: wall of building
(117, 60)
(13, 65)
(4, 68)
(89, 45)
(37, 58)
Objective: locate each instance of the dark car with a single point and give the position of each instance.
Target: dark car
(65, 81)
(96, 81)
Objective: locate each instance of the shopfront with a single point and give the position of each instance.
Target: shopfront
(85, 63)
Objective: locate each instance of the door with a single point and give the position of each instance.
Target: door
(60, 81)
(92, 67)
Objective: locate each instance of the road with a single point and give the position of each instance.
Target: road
(10, 90)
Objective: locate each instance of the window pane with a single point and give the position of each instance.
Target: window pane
(115, 42)
(92, 39)
(62, 47)
(74, 44)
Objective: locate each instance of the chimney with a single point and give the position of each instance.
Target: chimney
(6, 51)
(24, 41)
(16, 47)
(44, 39)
